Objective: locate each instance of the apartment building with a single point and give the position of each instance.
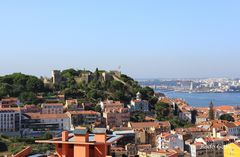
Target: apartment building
(203, 147)
(146, 132)
(10, 120)
(168, 140)
(52, 108)
(9, 102)
(78, 118)
(110, 104)
(114, 113)
(45, 122)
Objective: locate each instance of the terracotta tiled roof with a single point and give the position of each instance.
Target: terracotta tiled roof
(191, 130)
(144, 145)
(30, 106)
(136, 100)
(111, 102)
(224, 107)
(10, 109)
(61, 96)
(139, 125)
(46, 116)
(203, 109)
(166, 100)
(168, 153)
(237, 123)
(147, 118)
(53, 104)
(83, 112)
(165, 134)
(208, 139)
(72, 101)
(230, 125)
(40, 97)
(9, 99)
(202, 115)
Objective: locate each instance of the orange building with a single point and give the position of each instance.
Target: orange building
(83, 144)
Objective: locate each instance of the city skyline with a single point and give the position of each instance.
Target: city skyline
(148, 40)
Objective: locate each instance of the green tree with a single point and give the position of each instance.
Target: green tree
(3, 147)
(227, 117)
(95, 94)
(69, 73)
(116, 85)
(16, 83)
(34, 84)
(152, 102)
(47, 136)
(147, 93)
(28, 98)
(137, 116)
(5, 89)
(162, 110)
(97, 108)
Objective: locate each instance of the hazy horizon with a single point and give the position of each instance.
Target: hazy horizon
(157, 39)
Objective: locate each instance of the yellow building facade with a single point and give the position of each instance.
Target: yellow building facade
(232, 150)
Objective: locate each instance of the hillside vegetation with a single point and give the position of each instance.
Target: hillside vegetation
(27, 87)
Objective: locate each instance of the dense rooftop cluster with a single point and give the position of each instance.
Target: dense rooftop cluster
(146, 124)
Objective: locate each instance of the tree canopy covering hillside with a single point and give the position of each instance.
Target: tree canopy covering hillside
(122, 87)
(17, 83)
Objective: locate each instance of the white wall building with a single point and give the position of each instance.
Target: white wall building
(10, 120)
(170, 141)
(185, 116)
(139, 104)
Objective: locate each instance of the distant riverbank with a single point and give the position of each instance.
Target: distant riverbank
(203, 99)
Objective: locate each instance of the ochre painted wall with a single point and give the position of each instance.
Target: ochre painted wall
(81, 151)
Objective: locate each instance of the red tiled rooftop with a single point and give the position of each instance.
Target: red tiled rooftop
(149, 124)
(53, 104)
(71, 101)
(237, 123)
(224, 107)
(83, 112)
(46, 116)
(9, 99)
(10, 109)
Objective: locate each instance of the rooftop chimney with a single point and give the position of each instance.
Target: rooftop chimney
(81, 135)
(100, 135)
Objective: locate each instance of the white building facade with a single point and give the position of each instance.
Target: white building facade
(10, 120)
(139, 104)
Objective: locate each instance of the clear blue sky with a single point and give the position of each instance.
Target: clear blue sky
(148, 38)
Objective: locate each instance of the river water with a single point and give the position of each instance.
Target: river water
(203, 99)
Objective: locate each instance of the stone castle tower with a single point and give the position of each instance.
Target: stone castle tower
(56, 76)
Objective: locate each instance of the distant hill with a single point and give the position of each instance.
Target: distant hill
(84, 85)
